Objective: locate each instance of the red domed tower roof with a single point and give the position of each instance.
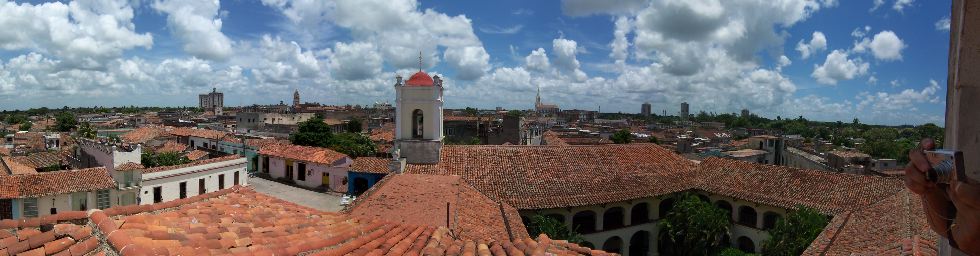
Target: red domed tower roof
(419, 79)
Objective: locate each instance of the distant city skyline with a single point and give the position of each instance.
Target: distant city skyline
(883, 61)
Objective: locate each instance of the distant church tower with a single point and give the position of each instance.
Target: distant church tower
(418, 117)
(296, 101)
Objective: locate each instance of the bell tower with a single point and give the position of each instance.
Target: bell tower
(418, 118)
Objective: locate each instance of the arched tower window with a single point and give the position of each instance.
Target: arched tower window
(417, 124)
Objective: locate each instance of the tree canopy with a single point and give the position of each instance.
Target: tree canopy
(622, 137)
(65, 122)
(148, 159)
(694, 227)
(792, 235)
(315, 133)
(540, 224)
(353, 125)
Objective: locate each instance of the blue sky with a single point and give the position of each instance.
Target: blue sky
(882, 61)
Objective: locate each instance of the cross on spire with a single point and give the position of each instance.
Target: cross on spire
(420, 61)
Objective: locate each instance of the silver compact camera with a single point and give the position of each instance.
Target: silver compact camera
(945, 164)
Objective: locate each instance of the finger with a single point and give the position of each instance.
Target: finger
(917, 156)
(916, 180)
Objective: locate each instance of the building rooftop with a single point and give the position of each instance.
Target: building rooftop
(541, 177)
(895, 225)
(194, 163)
(745, 153)
(849, 154)
(240, 221)
(303, 153)
(56, 182)
(422, 200)
(370, 165)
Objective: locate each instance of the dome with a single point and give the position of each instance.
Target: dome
(419, 79)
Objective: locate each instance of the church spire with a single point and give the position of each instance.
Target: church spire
(537, 100)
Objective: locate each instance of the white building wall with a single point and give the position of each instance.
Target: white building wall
(170, 180)
(429, 100)
(314, 173)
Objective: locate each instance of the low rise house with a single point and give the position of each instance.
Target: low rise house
(310, 167)
(47, 193)
(167, 183)
(848, 161)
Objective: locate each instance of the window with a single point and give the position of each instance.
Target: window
(236, 178)
(102, 199)
(200, 187)
(183, 190)
(417, 126)
(289, 169)
(301, 175)
(221, 181)
(53, 211)
(30, 207)
(128, 178)
(449, 131)
(79, 201)
(157, 194)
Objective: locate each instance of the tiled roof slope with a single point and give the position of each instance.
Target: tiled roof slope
(786, 187)
(302, 153)
(370, 165)
(893, 226)
(418, 199)
(195, 163)
(171, 146)
(13, 167)
(56, 182)
(143, 134)
(541, 177)
(65, 238)
(241, 221)
(39, 159)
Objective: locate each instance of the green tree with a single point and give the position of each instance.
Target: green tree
(313, 132)
(16, 119)
(148, 159)
(792, 235)
(353, 125)
(468, 111)
(694, 227)
(653, 139)
(26, 126)
(65, 122)
(622, 137)
(540, 224)
(352, 144)
(85, 130)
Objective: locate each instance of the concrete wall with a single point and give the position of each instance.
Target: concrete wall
(170, 180)
(314, 173)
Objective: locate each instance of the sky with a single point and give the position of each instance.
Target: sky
(881, 61)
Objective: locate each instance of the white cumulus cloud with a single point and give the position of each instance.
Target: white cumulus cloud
(887, 46)
(838, 67)
(197, 24)
(817, 42)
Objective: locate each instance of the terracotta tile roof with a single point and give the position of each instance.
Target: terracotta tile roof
(191, 132)
(586, 140)
(33, 140)
(128, 166)
(39, 159)
(462, 118)
(14, 167)
(260, 143)
(786, 187)
(239, 220)
(370, 165)
(65, 237)
(551, 138)
(4, 151)
(303, 153)
(895, 225)
(332, 121)
(144, 134)
(195, 163)
(196, 154)
(745, 153)
(171, 146)
(55, 183)
(541, 177)
(422, 200)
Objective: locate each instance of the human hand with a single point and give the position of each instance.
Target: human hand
(915, 172)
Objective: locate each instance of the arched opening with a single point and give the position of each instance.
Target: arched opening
(417, 124)
(640, 244)
(640, 214)
(613, 218)
(746, 245)
(360, 185)
(613, 245)
(724, 205)
(665, 206)
(747, 216)
(769, 220)
(584, 222)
